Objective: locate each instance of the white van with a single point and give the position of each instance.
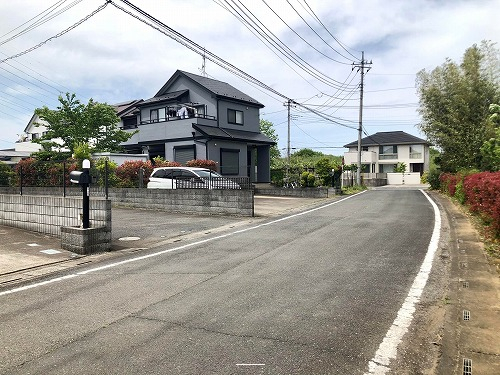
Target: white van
(189, 178)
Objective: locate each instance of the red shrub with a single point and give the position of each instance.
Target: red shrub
(166, 163)
(482, 191)
(449, 183)
(128, 173)
(202, 163)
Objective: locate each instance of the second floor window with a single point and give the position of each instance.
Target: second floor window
(153, 117)
(234, 117)
(388, 152)
(416, 151)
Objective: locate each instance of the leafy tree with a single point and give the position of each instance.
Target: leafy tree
(6, 174)
(490, 150)
(454, 102)
(75, 123)
(307, 153)
(267, 128)
(400, 168)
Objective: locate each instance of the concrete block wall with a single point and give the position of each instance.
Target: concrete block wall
(297, 192)
(199, 201)
(194, 201)
(47, 214)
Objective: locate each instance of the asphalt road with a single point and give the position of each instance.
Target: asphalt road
(313, 293)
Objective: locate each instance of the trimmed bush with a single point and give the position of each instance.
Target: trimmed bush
(482, 195)
(128, 173)
(202, 163)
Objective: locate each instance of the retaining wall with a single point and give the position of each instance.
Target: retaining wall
(47, 214)
(199, 201)
(297, 192)
(193, 201)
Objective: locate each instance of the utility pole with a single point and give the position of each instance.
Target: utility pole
(287, 104)
(361, 67)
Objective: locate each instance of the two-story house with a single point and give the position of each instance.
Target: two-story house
(381, 152)
(195, 117)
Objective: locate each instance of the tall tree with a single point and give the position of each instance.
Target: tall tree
(267, 128)
(454, 104)
(490, 150)
(74, 123)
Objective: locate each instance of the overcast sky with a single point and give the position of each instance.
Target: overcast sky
(112, 57)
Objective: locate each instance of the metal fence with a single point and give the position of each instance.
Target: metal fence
(36, 177)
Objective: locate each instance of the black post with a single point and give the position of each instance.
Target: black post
(106, 177)
(86, 194)
(20, 180)
(64, 178)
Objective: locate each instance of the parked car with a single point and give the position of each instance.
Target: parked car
(188, 178)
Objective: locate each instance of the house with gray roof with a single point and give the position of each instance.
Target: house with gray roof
(195, 117)
(381, 152)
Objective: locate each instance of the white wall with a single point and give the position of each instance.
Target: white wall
(403, 178)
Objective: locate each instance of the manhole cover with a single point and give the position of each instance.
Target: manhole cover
(129, 238)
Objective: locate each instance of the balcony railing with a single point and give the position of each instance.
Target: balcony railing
(387, 156)
(175, 118)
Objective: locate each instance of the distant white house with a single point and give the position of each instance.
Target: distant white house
(381, 152)
(31, 132)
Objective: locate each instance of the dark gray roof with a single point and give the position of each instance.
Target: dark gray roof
(218, 88)
(233, 135)
(125, 108)
(167, 96)
(388, 138)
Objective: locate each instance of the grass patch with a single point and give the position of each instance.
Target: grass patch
(353, 189)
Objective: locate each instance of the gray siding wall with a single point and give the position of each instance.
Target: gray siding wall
(197, 94)
(250, 116)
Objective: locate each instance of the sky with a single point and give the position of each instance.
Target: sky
(112, 57)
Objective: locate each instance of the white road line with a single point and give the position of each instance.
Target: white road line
(250, 364)
(142, 257)
(387, 350)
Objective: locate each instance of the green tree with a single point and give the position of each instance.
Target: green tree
(454, 103)
(307, 153)
(6, 174)
(95, 124)
(267, 128)
(400, 168)
(490, 150)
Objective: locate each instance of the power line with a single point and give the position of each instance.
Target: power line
(319, 36)
(322, 24)
(40, 22)
(265, 42)
(57, 35)
(279, 45)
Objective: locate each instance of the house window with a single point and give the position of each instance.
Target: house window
(183, 154)
(153, 115)
(234, 117)
(416, 152)
(388, 152)
(386, 168)
(129, 123)
(229, 161)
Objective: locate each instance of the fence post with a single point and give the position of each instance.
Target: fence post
(64, 179)
(141, 178)
(20, 180)
(106, 172)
